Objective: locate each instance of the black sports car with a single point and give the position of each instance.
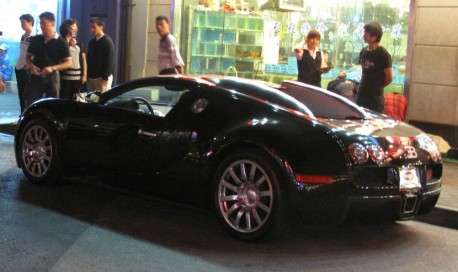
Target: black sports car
(259, 152)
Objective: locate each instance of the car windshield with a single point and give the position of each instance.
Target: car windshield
(322, 103)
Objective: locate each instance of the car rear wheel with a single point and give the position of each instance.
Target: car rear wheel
(38, 152)
(248, 197)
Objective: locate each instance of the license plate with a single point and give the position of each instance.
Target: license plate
(409, 178)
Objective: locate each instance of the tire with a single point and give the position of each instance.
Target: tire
(249, 200)
(38, 153)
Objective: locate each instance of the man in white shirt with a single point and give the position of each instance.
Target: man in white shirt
(22, 70)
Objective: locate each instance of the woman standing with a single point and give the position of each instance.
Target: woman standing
(73, 78)
(311, 61)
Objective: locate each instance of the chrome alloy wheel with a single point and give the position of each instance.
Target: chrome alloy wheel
(37, 151)
(245, 196)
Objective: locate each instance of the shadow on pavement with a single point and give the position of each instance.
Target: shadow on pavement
(441, 217)
(9, 129)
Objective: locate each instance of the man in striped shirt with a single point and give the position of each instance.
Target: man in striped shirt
(169, 60)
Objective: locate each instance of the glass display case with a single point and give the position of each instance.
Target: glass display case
(224, 42)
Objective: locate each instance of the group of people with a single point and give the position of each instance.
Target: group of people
(56, 65)
(377, 71)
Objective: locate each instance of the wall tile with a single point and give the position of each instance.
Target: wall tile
(434, 26)
(435, 65)
(437, 3)
(160, 2)
(154, 11)
(434, 104)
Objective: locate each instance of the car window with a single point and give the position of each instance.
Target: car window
(263, 90)
(160, 98)
(322, 103)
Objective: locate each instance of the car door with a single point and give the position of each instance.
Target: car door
(110, 138)
(175, 141)
(116, 135)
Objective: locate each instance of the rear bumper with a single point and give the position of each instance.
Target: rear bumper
(338, 201)
(399, 207)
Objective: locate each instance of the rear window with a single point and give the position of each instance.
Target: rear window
(262, 90)
(322, 103)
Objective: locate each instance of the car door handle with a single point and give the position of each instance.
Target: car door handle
(141, 132)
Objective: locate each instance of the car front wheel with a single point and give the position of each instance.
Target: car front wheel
(248, 197)
(38, 152)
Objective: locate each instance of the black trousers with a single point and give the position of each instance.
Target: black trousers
(22, 77)
(372, 102)
(168, 71)
(69, 88)
(38, 86)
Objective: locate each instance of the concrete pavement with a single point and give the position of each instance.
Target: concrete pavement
(9, 108)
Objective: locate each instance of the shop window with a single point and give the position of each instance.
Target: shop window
(258, 37)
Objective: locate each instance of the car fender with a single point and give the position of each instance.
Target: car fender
(44, 111)
(290, 157)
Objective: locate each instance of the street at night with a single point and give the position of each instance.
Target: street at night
(84, 225)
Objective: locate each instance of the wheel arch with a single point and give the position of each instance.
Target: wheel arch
(30, 116)
(280, 162)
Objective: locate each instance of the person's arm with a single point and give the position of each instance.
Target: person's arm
(109, 54)
(388, 75)
(33, 69)
(84, 68)
(2, 86)
(299, 49)
(67, 63)
(176, 58)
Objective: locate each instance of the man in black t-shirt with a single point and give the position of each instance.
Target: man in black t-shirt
(377, 71)
(47, 55)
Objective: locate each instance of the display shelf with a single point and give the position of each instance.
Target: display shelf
(221, 41)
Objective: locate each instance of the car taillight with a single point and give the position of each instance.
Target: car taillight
(377, 154)
(313, 179)
(361, 154)
(358, 153)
